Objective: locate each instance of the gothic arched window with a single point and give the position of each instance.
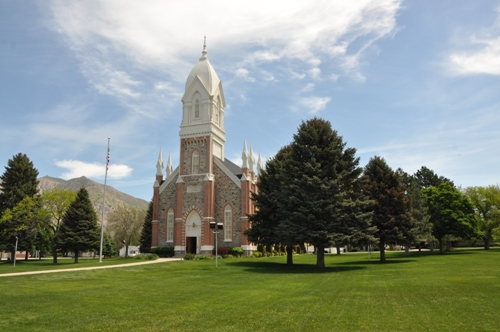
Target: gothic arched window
(195, 162)
(197, 109)
(228, 223)
(170, 225)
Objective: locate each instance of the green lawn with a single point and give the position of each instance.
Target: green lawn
(62, 263)
(458, 291)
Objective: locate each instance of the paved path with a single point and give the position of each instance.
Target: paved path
(159, 260)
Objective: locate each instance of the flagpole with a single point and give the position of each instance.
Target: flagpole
(103, 205)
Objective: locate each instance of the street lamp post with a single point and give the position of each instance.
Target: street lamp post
(15, 250)
(216, 229)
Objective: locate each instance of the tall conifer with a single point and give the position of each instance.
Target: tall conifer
(79, 231)
(147, 229)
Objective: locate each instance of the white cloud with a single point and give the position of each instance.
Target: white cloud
(78, 168)
(243, 73)
(119, 44)
(314, 104)
(480, 54)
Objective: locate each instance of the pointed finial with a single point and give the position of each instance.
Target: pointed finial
(251, 159)
(244, 155)
(259, 164)
(204, 53)
(159, 164)
(169, 165)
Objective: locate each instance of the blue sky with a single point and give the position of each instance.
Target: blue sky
(415, 82)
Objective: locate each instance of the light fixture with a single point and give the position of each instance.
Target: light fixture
(194, 225)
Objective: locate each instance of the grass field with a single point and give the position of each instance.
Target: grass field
(458, 291)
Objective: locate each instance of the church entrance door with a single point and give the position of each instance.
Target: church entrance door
(191, 245)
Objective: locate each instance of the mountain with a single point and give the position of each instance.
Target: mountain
(114, 197)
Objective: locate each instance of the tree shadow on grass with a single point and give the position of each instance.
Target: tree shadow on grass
(280, 268)
(378, 262)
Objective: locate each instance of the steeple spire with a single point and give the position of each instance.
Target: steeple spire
(259, 164)
(169, 165)
(244, 155)
(251, 160)
(204, 52)
(159, 165)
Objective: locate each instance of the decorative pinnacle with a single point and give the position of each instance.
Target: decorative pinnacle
(204, 53)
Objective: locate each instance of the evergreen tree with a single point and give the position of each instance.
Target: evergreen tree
(147, 230)
(323, 194)
(451, 213)
(426, 178)
(270, 203)
(79, 231)
(17, 182)
(391, 210)
(109, 247)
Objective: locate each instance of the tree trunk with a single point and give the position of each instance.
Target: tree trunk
(12, 255)
(320, 257)
(54, 254)
(26, 253)
(448, 246)
(289, 255)
(337, 246)
(381, 247)
(407, 249)
(431, 245)
(126, 250)
(420, 247)
(76, 257)
(440, 246)
(487, 240)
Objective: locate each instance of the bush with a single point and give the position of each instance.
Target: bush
(189, 257)
(257, 254)
(202, 257)
(236, 251)
(163, 251)
(146, 257)
(223, 251)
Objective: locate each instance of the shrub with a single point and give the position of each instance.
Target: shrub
(229, 256)
(202, 257)
(189, 257)
(163, 251)
(236, 251)
(257, 254)
(223, 251)
(267, 254)
(146, 257)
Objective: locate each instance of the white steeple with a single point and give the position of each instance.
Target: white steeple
(169, 166)
(159, 165)
(244, 155)
(203, 105)
(251, 160)
(259, 164)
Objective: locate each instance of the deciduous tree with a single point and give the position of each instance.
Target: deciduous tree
(451, 213)
(56, 201)
(125, 224)
(486, 201)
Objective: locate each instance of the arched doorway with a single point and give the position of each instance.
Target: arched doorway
(193, 233)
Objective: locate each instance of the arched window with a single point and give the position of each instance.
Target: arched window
(195, 162)
(197, 109)
(228, 223)
(170, 225)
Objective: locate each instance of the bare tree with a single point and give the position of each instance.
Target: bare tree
(125, 225)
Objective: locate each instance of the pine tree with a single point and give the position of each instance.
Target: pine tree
(323, 194)
(391, 210)
(268, 201)
(17, 182)
(147, 230)
(79, 231)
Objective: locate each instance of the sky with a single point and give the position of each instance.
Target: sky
(414, 82)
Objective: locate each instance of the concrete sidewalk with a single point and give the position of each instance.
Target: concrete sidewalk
(159, 260)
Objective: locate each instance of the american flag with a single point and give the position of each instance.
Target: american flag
(107, 160)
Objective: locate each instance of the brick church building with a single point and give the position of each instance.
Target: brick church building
(205, 187)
